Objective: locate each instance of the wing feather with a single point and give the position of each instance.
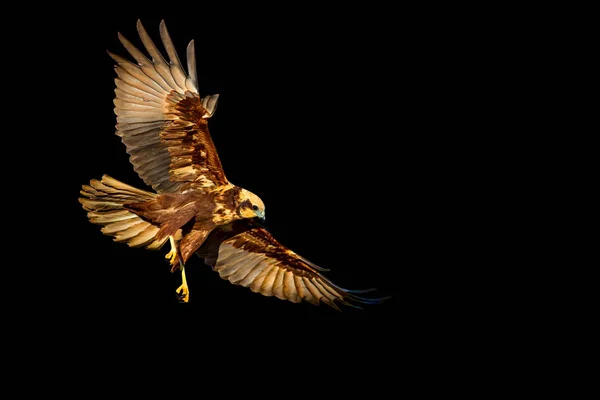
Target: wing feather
(312, 289)
(260, 278)
(136, 83)
(246, 254)
(249, 279)
(245, 267)
(160, 65)
(132, 116)
(192, 82)
(120, 94)
(145, 64)
(278, 284)
(143, 139)
(290, 290)
(232, 266)
(157, 100)
(176, 69)
(301, 289)
(266, 289)
(133, 106)
(138, 73)
(133, 91)
(152, 128)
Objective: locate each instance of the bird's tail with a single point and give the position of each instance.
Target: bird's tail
(104, 201)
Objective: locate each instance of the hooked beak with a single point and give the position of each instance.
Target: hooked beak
(260, 215)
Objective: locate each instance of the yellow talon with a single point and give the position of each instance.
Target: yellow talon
(172, 255)
(182, 291)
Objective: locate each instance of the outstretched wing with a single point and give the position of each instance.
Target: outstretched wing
(161, 118)
(246, 254)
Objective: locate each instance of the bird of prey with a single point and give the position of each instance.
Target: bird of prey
(163, 122)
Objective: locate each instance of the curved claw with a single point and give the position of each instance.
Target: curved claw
(173, 255)
(183, 293)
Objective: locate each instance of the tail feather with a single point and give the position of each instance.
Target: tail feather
(147, 237)
(109, 216)
(104, 200)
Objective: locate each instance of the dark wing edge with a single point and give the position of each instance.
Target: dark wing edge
(248, 255)
(161, 118)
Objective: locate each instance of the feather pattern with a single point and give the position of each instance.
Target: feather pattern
(192, 81)
(104, 200)
(175, 65)
(161, 118)
(248, 255)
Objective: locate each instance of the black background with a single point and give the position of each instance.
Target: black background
(364, 130)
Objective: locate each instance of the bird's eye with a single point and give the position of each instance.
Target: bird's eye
(255, 207)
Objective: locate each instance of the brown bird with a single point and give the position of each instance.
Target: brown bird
(163, 122)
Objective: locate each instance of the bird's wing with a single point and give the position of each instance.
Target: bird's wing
(161, 118)
(246, 254)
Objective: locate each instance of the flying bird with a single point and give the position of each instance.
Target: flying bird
(163, 122)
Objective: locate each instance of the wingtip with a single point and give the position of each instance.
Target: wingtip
(162, 25)
(140, 27)
(333, 305)
(364, 300)
(309, 263)
(357, 291)
(122, 39)
(360, 291)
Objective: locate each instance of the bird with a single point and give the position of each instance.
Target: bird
(163, 122)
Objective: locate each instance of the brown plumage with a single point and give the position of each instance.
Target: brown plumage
(246, 254)
(163, 122)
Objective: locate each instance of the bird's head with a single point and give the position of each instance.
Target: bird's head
(251, 205)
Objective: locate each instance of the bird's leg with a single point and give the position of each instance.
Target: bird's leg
(183, 293)
(173, 255)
